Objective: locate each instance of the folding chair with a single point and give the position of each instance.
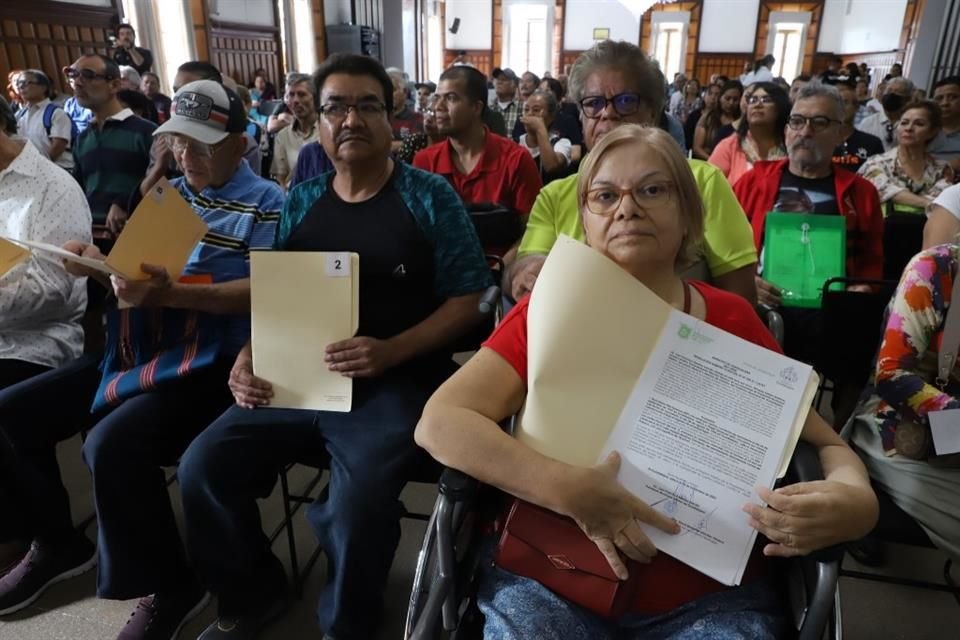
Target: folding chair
(442, 602)
(902, 239)
(852, 327)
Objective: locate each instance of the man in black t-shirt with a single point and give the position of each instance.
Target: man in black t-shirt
(421, 273)
(857, 145)
(125, 53)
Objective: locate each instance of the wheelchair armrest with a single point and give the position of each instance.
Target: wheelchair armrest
(773, 320)
(457, 486)
(820, 570)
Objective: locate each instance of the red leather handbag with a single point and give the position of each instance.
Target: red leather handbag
(539, 544)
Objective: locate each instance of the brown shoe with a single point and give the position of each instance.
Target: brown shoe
(11, 553)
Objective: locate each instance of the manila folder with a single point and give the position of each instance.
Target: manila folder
(301, 302)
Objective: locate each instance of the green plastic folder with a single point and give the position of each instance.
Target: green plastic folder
(801, 252)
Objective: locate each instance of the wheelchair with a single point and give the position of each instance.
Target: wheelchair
(442, 604)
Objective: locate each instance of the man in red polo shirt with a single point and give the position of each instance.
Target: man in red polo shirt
(480, 165)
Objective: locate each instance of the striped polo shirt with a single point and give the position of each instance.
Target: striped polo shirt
(111, 161)
(242, 216)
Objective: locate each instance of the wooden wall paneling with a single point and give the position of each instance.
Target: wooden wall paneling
(482, 59)
(567, 60)
(319, 29)
(238, 50)
(199, 14)
(496, 39)
(727, 64)
(557, 48)
(48, 35)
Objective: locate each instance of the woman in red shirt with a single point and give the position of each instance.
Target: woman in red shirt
(640, 207)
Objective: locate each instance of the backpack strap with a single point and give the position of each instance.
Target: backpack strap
(48, 112)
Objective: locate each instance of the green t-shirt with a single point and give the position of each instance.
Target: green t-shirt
(728, 238)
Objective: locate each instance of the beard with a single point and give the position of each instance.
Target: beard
(806, 144)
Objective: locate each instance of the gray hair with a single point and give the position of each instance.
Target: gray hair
(296, 78)
(398, 77)
(902, 80)
(548, 98)
(626, 57)
(816, 89)
(130, 74)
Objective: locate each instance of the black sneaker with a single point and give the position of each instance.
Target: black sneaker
(161, 616)
(41, 567)
(247, 626)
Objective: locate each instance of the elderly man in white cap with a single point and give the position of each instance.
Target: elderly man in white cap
(162, 380)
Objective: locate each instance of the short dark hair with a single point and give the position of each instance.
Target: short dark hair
(8, 122)
(149, 73)
(722, 80)
(933, 111)
(124, 25)
(110, 67)
(474, 82)
(202, 68)
(536, 78)
(942, 82)
(803, 77)
(352, 64)
(556, 87)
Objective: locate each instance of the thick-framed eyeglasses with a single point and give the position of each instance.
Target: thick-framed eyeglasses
(624, 104)
(367, 110)
(86, 74)
(606, 200)
(817, 123)
(752, 100)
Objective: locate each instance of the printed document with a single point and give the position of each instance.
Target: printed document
(700, 417)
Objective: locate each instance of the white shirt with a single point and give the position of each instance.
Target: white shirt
(40, 304)
(949, 199)
(30, 126)
(879, 125)
(560, 145)
(287, 145)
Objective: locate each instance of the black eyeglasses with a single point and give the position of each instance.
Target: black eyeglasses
(817, 123)
(340, 110)
(86, 74)
(624, 104)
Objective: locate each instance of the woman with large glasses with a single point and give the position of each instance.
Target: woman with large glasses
(759, 135)
(640, 207)
(907, 176)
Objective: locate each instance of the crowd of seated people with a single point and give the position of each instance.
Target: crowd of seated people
(356, 158)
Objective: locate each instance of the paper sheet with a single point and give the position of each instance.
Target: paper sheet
(945, 429)
(577, 386)
(707, 422)
(11, 255)
(163, 230)
(700, 417)
(301, 302)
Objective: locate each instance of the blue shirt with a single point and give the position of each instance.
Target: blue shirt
(312, 162)
(242, 216)
(459, 265)
(81, 116)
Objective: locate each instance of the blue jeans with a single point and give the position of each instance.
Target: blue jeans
(518, 608)
(371, 452)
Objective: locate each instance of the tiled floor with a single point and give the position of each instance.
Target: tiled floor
(70, 611)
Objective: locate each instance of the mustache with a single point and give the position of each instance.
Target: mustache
(350, 135)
